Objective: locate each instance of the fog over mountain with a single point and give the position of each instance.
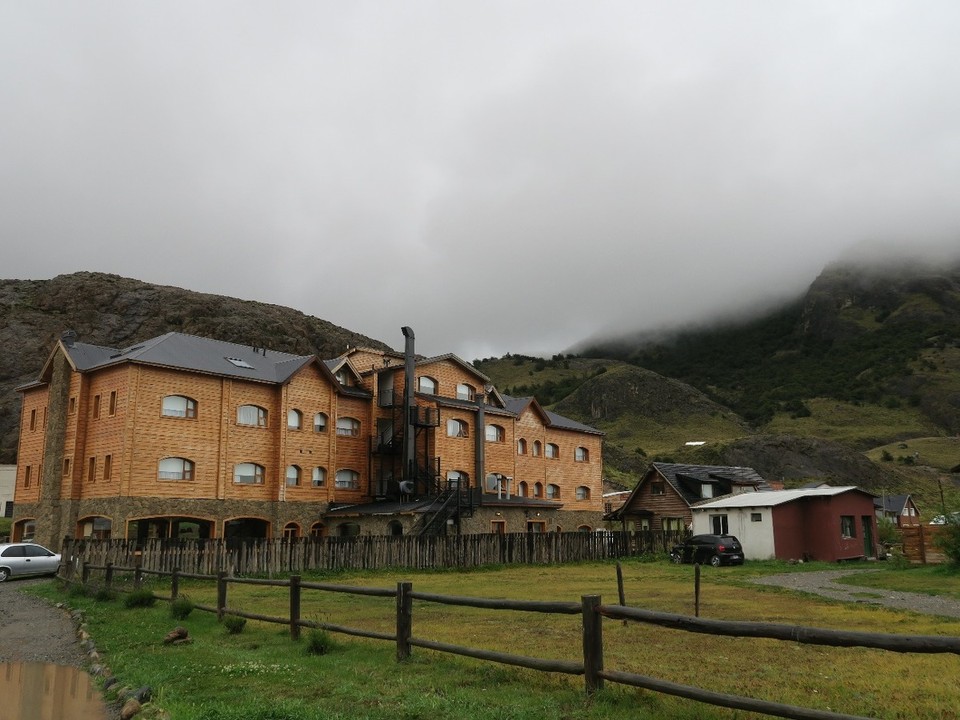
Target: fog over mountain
(500, 176)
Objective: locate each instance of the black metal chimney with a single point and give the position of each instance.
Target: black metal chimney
(409, 448)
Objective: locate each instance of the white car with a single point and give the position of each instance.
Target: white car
(18, 559)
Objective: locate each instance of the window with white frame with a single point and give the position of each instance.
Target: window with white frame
(719, 525)
(318, 477)
(494, 433)
(458, 479)
(553, 491)
(348, 426)
(248, 474)
(466, 392)
(848, 528)
(347, 479)
(553, 451)
(252, 415)
(457, 428)
(178, 406)
(294, 419)
(706, 490)
(175, 468)
(293, 475)
(426, 385)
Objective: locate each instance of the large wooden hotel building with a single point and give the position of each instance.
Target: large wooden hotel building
(188, 437)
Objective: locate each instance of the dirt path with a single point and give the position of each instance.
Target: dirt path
(33, 630)
(823, 583)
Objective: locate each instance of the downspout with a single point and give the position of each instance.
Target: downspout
(480, 437)
(409, 447)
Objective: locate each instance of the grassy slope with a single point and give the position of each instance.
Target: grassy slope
(361, 679)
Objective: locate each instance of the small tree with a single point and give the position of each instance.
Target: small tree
(948, 540)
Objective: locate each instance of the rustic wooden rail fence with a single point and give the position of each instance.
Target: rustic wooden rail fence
(368, 552)
(590, 608)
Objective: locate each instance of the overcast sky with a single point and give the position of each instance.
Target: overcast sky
(501, 176)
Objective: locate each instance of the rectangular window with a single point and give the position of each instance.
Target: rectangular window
(756, 517)
(96, 407)
(33, 419)
(27, 473)
(92, 469)
(848, 528)
(719, 524)
(112, 410)
(498, 527)
(66, 467)
(108, 467)
(673, 524)
(72, 406)
(656, 488)
(8, 510)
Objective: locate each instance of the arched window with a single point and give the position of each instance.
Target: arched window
(317, 530)
(175, 468)
(319, 477)
(584, 528)
(553, 451)
(291, 531)
(348, 427)
(522, 488)
(97, 528)
(178, 406)
(466, 392)
(538, 490)
(293, 475)
(536, 448)
(521, 446)
(248, 474)
(320, 422)
(581, 454)
(457, 428)
(294, 419)
(252, 415)
(347, 479)
(426, 385)
(553, 492)
(494, 433)
(395, 528)
(583, 492)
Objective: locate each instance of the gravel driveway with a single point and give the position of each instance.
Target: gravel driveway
(823, 583)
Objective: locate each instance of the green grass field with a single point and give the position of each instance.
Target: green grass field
(262, 674)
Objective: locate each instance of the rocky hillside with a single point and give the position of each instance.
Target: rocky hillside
(115, 311)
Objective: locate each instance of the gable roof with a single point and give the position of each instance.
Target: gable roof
(187, 352)
(893, 503)
(517, 405)
(775, 497)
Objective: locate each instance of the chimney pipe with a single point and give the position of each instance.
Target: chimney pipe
(69, 337)
(409, 449)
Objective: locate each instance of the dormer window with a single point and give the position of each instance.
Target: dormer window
(706, 490)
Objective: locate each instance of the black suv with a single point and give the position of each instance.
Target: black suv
(715, 549)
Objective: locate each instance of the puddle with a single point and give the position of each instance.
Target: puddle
(42, 691)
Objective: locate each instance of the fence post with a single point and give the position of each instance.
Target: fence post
(137, 576)
(404, 619)
(592, 642)
(294, 607)
(175, 584)
(221, 594)
(108, 575)
(620, 594)
(84, 573)
(696, 590)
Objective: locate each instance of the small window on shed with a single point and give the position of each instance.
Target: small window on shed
(756, 517)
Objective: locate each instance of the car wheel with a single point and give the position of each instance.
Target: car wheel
(4, 574)
(715, 561)
(676, 558)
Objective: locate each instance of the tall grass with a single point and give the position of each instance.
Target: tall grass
(361, 679)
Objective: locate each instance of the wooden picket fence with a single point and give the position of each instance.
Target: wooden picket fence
(368, 552)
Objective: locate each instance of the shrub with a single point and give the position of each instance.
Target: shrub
(181, 607)
(139, 598)
(319, 642)
(77, 590)
(105, 594)
(234, 624)
(948, 540)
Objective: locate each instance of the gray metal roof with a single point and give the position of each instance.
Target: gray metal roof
(517, 405)
(188, 352)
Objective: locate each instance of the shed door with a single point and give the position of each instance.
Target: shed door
(867, 536)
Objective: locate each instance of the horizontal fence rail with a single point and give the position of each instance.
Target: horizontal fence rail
(590, 608)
